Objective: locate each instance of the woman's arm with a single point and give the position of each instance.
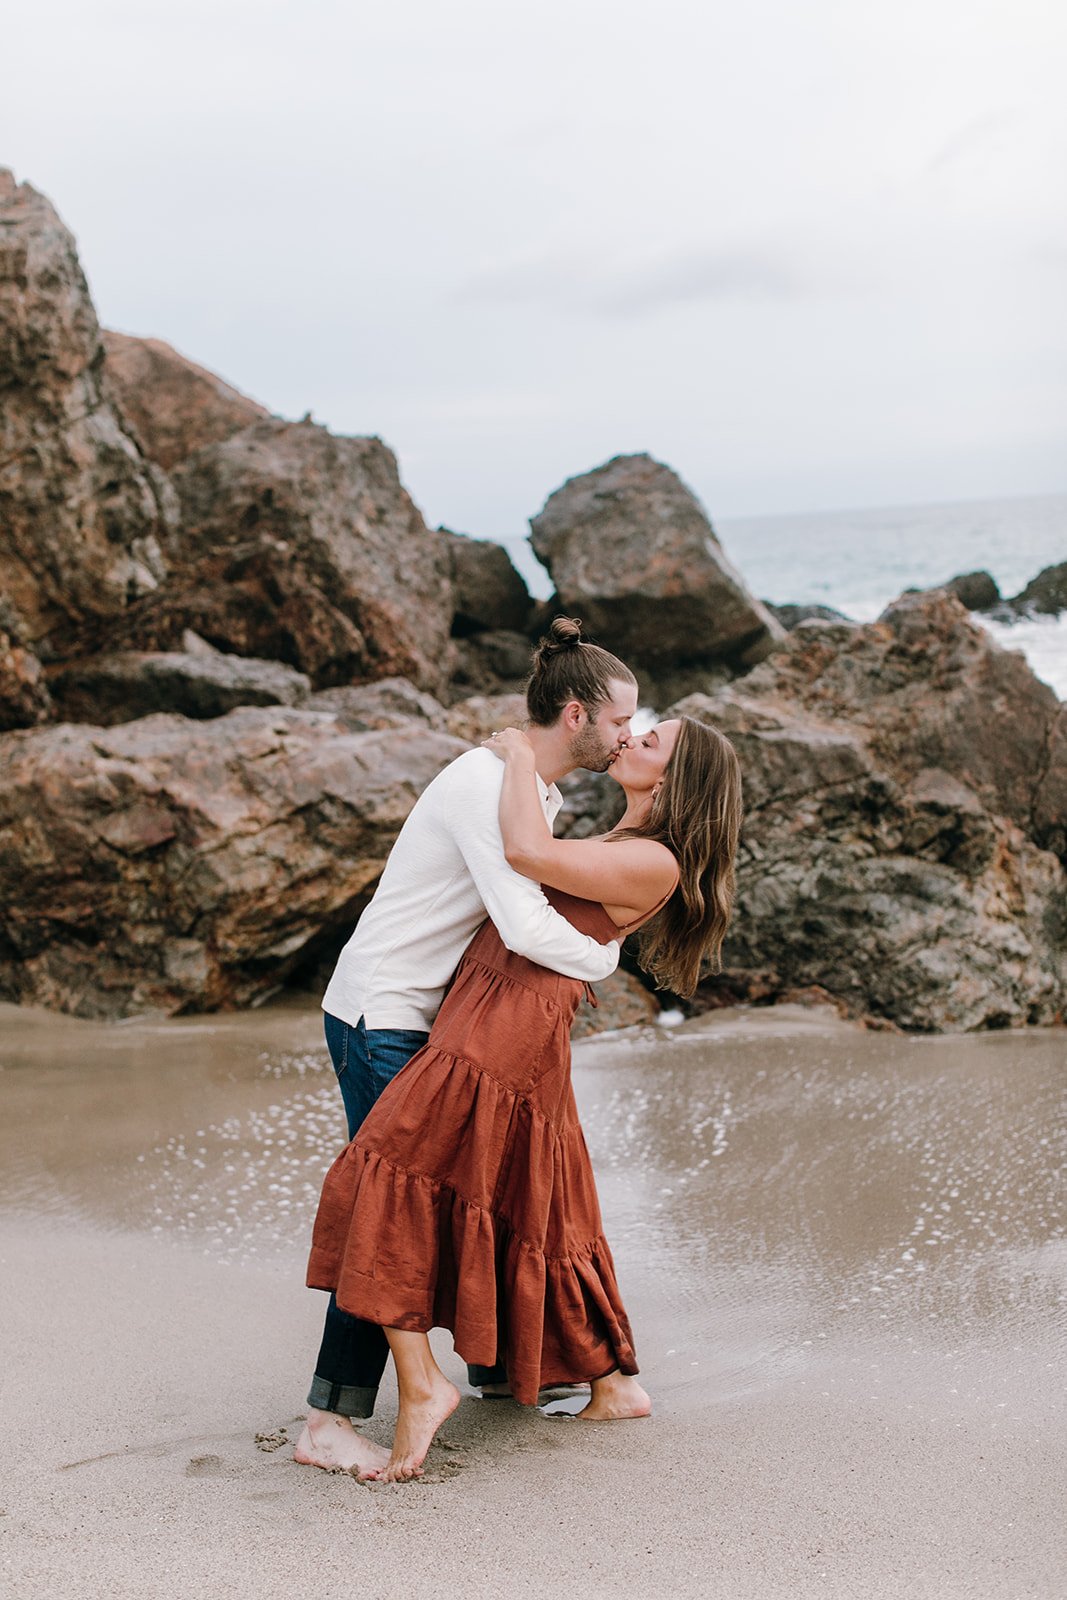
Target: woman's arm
(627, 873)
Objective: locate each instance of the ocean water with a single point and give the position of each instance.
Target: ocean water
(858, 561)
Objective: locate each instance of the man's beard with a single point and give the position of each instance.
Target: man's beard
(588, 750)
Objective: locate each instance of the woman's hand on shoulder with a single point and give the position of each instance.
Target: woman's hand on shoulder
(510, 744)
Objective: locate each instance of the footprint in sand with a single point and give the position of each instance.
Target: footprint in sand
(205, 1467)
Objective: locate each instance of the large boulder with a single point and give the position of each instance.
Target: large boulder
(173, 406)
(303, 547)
(1047, 593)
(489, 594)
(791, 615)
(905, 811)
(195, 682)
(931, 688)
(496, 662)
(85, 519)
(389, 703)
(976, 590)
(631, 551)
(171, 865)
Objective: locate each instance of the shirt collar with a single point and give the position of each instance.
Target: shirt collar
(551, 798)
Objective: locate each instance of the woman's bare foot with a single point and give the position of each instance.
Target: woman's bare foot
(615, 1399)
(331, 1442)
(421, 1414)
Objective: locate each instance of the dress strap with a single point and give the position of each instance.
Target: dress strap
(647, 916)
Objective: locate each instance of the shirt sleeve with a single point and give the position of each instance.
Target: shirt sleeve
(517, 906)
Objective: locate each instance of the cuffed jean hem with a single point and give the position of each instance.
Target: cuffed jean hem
(346, 1399)
(477, 1376)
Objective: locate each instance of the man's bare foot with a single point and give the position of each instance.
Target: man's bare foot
(615, 1399)
(331, 1442)
(418, 1420)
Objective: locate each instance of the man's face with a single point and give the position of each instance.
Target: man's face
(597, 740)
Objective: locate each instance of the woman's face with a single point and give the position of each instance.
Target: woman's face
(642, 760)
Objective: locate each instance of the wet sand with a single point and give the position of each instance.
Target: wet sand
(844, 1256)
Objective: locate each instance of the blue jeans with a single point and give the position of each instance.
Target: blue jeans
(353, 1353)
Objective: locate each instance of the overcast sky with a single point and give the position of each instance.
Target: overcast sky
(811, 254)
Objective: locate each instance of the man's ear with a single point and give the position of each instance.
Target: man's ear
(574, 716)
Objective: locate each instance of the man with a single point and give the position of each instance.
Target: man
(445, 874)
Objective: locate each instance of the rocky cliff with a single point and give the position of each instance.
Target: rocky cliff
(171, 405)
(906, 806)
(86, 520)
(170, 865)
(261, 654)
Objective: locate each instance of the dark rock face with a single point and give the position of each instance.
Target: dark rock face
(24, 697)
(491, 663)
(1046, 593)
(592, 804)
(172, 406)
(251, 601)
(488, 592)
(904, 819)
(304, 548)
(976, 590)
(84, 518)
(282, 542)
(791, 616)
(622, 1002)
(337, 509)
(200, 683)
(171, 865)
(632, 553)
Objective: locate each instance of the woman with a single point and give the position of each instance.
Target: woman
(467, 1200)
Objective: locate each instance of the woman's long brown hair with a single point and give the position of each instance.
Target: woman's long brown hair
(697, 815)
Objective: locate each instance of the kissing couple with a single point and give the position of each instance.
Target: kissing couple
(465, 1199)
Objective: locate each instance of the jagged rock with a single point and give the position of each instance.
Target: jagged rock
(206, 683)
(173, 406)
(24, 697)
(476, 718)
(662, 687)
(976, 590)
(622, 1002)
(303, 547)
(389, 703)
(791, 616)
(901, 817)
(592, 803)
(631, 552)
(338, 508)
(489, 593)
(85, 520)
(755, 988)
(1046, 593)
(491, 663)
(168, 865)
(935, 690)
(254, 600)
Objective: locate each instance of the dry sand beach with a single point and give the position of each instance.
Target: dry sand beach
(843, 1252)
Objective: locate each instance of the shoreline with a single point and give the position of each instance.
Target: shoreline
(829, 1420)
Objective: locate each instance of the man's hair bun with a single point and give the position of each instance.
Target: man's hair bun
(564, 634)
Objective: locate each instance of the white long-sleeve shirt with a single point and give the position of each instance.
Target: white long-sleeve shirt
(447, 872)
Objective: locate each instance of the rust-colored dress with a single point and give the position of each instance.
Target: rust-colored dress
(467, 1199)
